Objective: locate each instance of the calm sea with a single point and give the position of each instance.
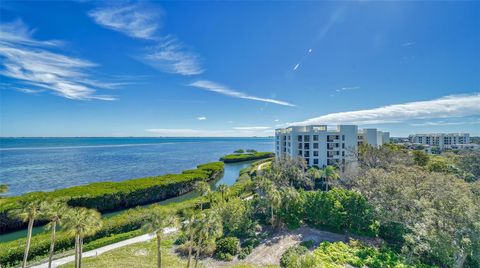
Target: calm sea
(45, 164)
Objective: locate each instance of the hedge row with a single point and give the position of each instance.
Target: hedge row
(116, 228)
(232, 158)
(108, 196)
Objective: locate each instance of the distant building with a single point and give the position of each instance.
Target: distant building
(441, 140)
(321, 146)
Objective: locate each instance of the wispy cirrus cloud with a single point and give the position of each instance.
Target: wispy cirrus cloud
(140, 21)
(446, 123)
(252, 128)
(201, 118)
(171, 56)
(187, 132)
(224, 90)
(34, 63)
(134, 20)
(445, 107)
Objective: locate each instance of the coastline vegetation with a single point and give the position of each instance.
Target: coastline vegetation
(108, 196)
(248, 156)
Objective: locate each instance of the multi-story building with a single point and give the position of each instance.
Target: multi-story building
(441, 140)
(321, 146)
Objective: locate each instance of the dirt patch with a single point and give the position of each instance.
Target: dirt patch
(271, 249)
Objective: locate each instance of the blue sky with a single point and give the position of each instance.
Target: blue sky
(85, 68)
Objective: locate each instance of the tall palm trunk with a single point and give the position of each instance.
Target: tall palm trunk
(80, 251)
(52, 244)
(190, 246)
(77, 247)
(271, 212)
(197, 254)
(159, 252)
(29, 240)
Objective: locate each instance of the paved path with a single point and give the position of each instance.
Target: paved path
(98, 251)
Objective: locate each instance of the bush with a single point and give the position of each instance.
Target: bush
(228, 245)
(244, 252)
(239, 151)
(239, 157)
(310, 244)
(108, 196)
(224, 256)
(292, 256)
(251, 242)
(340, 210)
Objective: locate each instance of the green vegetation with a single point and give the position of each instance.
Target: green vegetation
(3, 188)
(339, 254)
(107, 196)
(239, 157)
(227, 247)
(140, 255)
(53, 212)
(157, 221)
(80, 222)
(428, 212)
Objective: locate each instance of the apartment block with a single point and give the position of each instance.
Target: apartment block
(320, 145)
(441, 140)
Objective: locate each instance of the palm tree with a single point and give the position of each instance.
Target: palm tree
(53, 212)
(28, 212)
(313, 174)
(223, 188)
(329, 173)
(156, 222)
(274, 199)
(204, 189)
(188, 227)
(81, 222)
(208, 227)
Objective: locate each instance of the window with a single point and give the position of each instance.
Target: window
(315, 146)
(306, 138)
(299, 146)
(343, 137)
(315, 161)
(299, 137)
(343, 145)
(315, 137)
(307, 154)
(307, 146)
(300, 152)
(315, 153)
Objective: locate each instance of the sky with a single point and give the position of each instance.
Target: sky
(126, 68)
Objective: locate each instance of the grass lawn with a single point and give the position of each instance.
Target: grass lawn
(136, 255)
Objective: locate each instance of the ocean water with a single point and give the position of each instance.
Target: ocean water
(45, 164)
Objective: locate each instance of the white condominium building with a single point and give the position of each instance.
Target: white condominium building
(442, 140)
(321, 146)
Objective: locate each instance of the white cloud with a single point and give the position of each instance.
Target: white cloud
(445, 107)
(171, 56)
(133, 20)
(445, 123)
(276, 120)
(347, 88)
(31, 62)
(251, 128)
(221, 89)
(185, 132)
(296, 66)
(407, 44)
(201, 118)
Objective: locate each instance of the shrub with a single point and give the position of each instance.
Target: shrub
(292, 256)
(310, 244)
(107, 196)
(239, 151)
(244, 252)
(228, 245)
(239, 157)
(224, 256)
